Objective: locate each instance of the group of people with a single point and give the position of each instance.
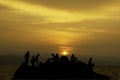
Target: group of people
(34, 60)
(55, 59)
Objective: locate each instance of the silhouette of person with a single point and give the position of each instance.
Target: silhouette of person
(48, 61)
(90, 64)
(27, 57)
(36, 59)
(33, 61)
(55, 58)
(64, 60)
(73, 58)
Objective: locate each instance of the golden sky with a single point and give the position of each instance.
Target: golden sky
(84, 27)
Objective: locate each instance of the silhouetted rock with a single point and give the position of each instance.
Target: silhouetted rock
(58, 68)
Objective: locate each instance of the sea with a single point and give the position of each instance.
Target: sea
(7, 71)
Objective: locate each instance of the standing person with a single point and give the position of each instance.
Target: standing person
(55, 58)
(27, 57)
(73, 58)
(37, 60)
(33, 61)
(90, 65)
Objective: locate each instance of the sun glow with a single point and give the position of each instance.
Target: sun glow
(65, 53)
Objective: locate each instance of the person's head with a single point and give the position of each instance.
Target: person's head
(28, 52)
(73, 55)
(52, 54)
(57, 54)
(90, 58)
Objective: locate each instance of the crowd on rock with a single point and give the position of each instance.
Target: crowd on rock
(55, 59)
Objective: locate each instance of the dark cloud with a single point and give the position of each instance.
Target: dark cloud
(2, 7)
(79, 5)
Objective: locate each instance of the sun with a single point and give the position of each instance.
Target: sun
(65, 53)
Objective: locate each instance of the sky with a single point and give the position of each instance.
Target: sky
(83, 27)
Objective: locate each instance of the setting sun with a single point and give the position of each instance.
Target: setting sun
(65, 53)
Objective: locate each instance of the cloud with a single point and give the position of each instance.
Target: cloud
(47, 13)
(2, 7)
(62, 11)
(79, 5)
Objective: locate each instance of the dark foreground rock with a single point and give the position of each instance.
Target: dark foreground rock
(63, 69)
(54, 71)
